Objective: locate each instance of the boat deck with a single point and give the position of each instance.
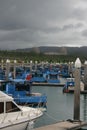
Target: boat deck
(61, 84)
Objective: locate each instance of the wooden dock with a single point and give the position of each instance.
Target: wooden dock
(64, 125)
(48, 84)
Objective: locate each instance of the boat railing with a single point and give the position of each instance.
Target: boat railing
(9, 111)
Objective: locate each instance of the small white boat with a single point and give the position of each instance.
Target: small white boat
(15, 117)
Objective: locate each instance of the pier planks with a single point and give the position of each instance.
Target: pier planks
(64, 125)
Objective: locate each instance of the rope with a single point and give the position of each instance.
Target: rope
(51, 117)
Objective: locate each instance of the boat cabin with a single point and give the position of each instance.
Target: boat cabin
(21, 92)
(69, 85)
(7, 105)
(11, 87)
(70, 81)
(53, 77)
(38, 77)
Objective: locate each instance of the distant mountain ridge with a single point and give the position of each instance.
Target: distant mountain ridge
(52, 50)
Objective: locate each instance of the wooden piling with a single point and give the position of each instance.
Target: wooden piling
(7, 70)
(31, 66)
(14, 73)
(77, 95)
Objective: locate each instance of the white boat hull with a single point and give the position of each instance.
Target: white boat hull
(20, 126)
(15, 117)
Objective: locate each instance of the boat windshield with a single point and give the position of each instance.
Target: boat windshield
(1, 107)
(3, 86)
(53, 76)
(22, 87)
(70, 79)
(37, 75)
(9, 107)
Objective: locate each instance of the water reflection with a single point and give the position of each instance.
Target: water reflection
(84, 107)
(30, 126)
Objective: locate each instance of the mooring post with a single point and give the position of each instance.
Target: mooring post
(2, 62)
(77, 90)
(7, 69)
(35, 65)
(14, 74)
(72, 66)
(85, 75)
(31, 66)
(42, 64)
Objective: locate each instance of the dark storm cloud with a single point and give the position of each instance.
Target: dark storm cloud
(27, 23)
(63, 28)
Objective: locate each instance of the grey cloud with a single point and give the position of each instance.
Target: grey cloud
(20, 35)
(79, 13)
(31, 13)
(73, 26)
(28, 22)
(84, 33)
(63, 28)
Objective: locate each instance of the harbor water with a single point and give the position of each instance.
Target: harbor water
(60, 106)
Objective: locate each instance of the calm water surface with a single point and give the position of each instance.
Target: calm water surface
(59, 105)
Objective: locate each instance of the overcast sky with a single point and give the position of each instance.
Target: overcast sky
(33, 23)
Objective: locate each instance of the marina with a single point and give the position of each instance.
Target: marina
(52, 79)
(43, 65)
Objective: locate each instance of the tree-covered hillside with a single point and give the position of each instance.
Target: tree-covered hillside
(27, 56)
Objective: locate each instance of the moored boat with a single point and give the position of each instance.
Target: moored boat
(38, 77)
(53, 77)
(13, 116)
(21, 91)
(70, 85)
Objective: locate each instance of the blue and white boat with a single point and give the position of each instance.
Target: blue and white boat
(38, 77)
(2, 74)
(52, 77)
(70, 85)
(14, 116)
(20, 90)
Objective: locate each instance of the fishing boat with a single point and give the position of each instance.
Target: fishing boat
(70, 85)
(53, 77)
(2, 74)
(38, 77)
(15, 117)
(21, 91)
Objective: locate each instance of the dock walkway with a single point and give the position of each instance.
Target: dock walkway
(48, 84)
(64, 125)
